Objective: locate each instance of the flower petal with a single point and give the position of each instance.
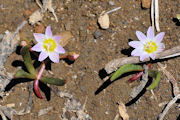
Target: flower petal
(153, 56)
(135, 44)
(150, 33)
(54, 57)
(57, 38)
(48, 32)
(60, 49)
(141, 36)
(43, 55)
(161, 47)
(39, 37)
(37, 47)
(159, 37)
(143, 56)
(136, 52)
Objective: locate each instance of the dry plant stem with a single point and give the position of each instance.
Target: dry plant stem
(36, 81)
(123, 111)
(143, 83)
(113, 10)
(38, 3)
(47, 5)
(152, 13)
(169, 105)
(171, 79)
(116, 63)
(2, 115)
(116, 117)
(156, 6)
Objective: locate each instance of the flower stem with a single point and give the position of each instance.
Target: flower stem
(36, 81)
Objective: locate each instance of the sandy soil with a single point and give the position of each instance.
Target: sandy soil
(85, 76)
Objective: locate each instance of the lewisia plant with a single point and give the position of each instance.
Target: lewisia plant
(48, 46)
(147, 46)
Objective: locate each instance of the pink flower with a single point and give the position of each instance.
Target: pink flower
(147, 46)
(48, 45)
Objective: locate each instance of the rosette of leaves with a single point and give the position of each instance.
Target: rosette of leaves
(31, 73)
(127, 68)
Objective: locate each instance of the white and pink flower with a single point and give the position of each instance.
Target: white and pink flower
(48, 45)
(147, 46)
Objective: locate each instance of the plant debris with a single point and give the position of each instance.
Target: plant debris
(123, 111)
(7, 46)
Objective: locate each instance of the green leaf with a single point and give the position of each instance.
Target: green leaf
(125, 69)
(155, 75)
(27, 60)
(53, 81)
(22, 74)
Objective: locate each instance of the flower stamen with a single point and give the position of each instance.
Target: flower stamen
(150, 47)
(49, 45)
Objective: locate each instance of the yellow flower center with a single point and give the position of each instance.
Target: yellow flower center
(150, 47)
(49, 45)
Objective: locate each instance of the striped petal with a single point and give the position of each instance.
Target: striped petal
(48, 32)
(150, 33)
(37, 47)
(60, 49)
(54, 57)
(143, 56)
(43, 55)
(141, 36)
(159, 37)
(57, 38)
(135, 44)
(39, 37)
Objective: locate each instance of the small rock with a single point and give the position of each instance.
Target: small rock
(36, 17)
(44, 111)
(146, 3)
(97, 34)
(66, 36)
(111, 3)
(103, 20)
(39, 28)
(74, 76)
(52, 18)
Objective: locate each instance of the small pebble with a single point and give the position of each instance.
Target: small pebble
(106, 112)
(20, 103)
(52, 18)
(111, 3)
(103, 20)
(74, 76)
(146, 3)
(97, 34)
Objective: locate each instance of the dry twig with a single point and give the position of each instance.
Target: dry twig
(152, 13)
(123, 111)
(44, 111)
(169, 105)
(171, 79)
(116, 63)
(156, 6)
(155, 12)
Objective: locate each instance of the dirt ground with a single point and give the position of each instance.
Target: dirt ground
(96, 47)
